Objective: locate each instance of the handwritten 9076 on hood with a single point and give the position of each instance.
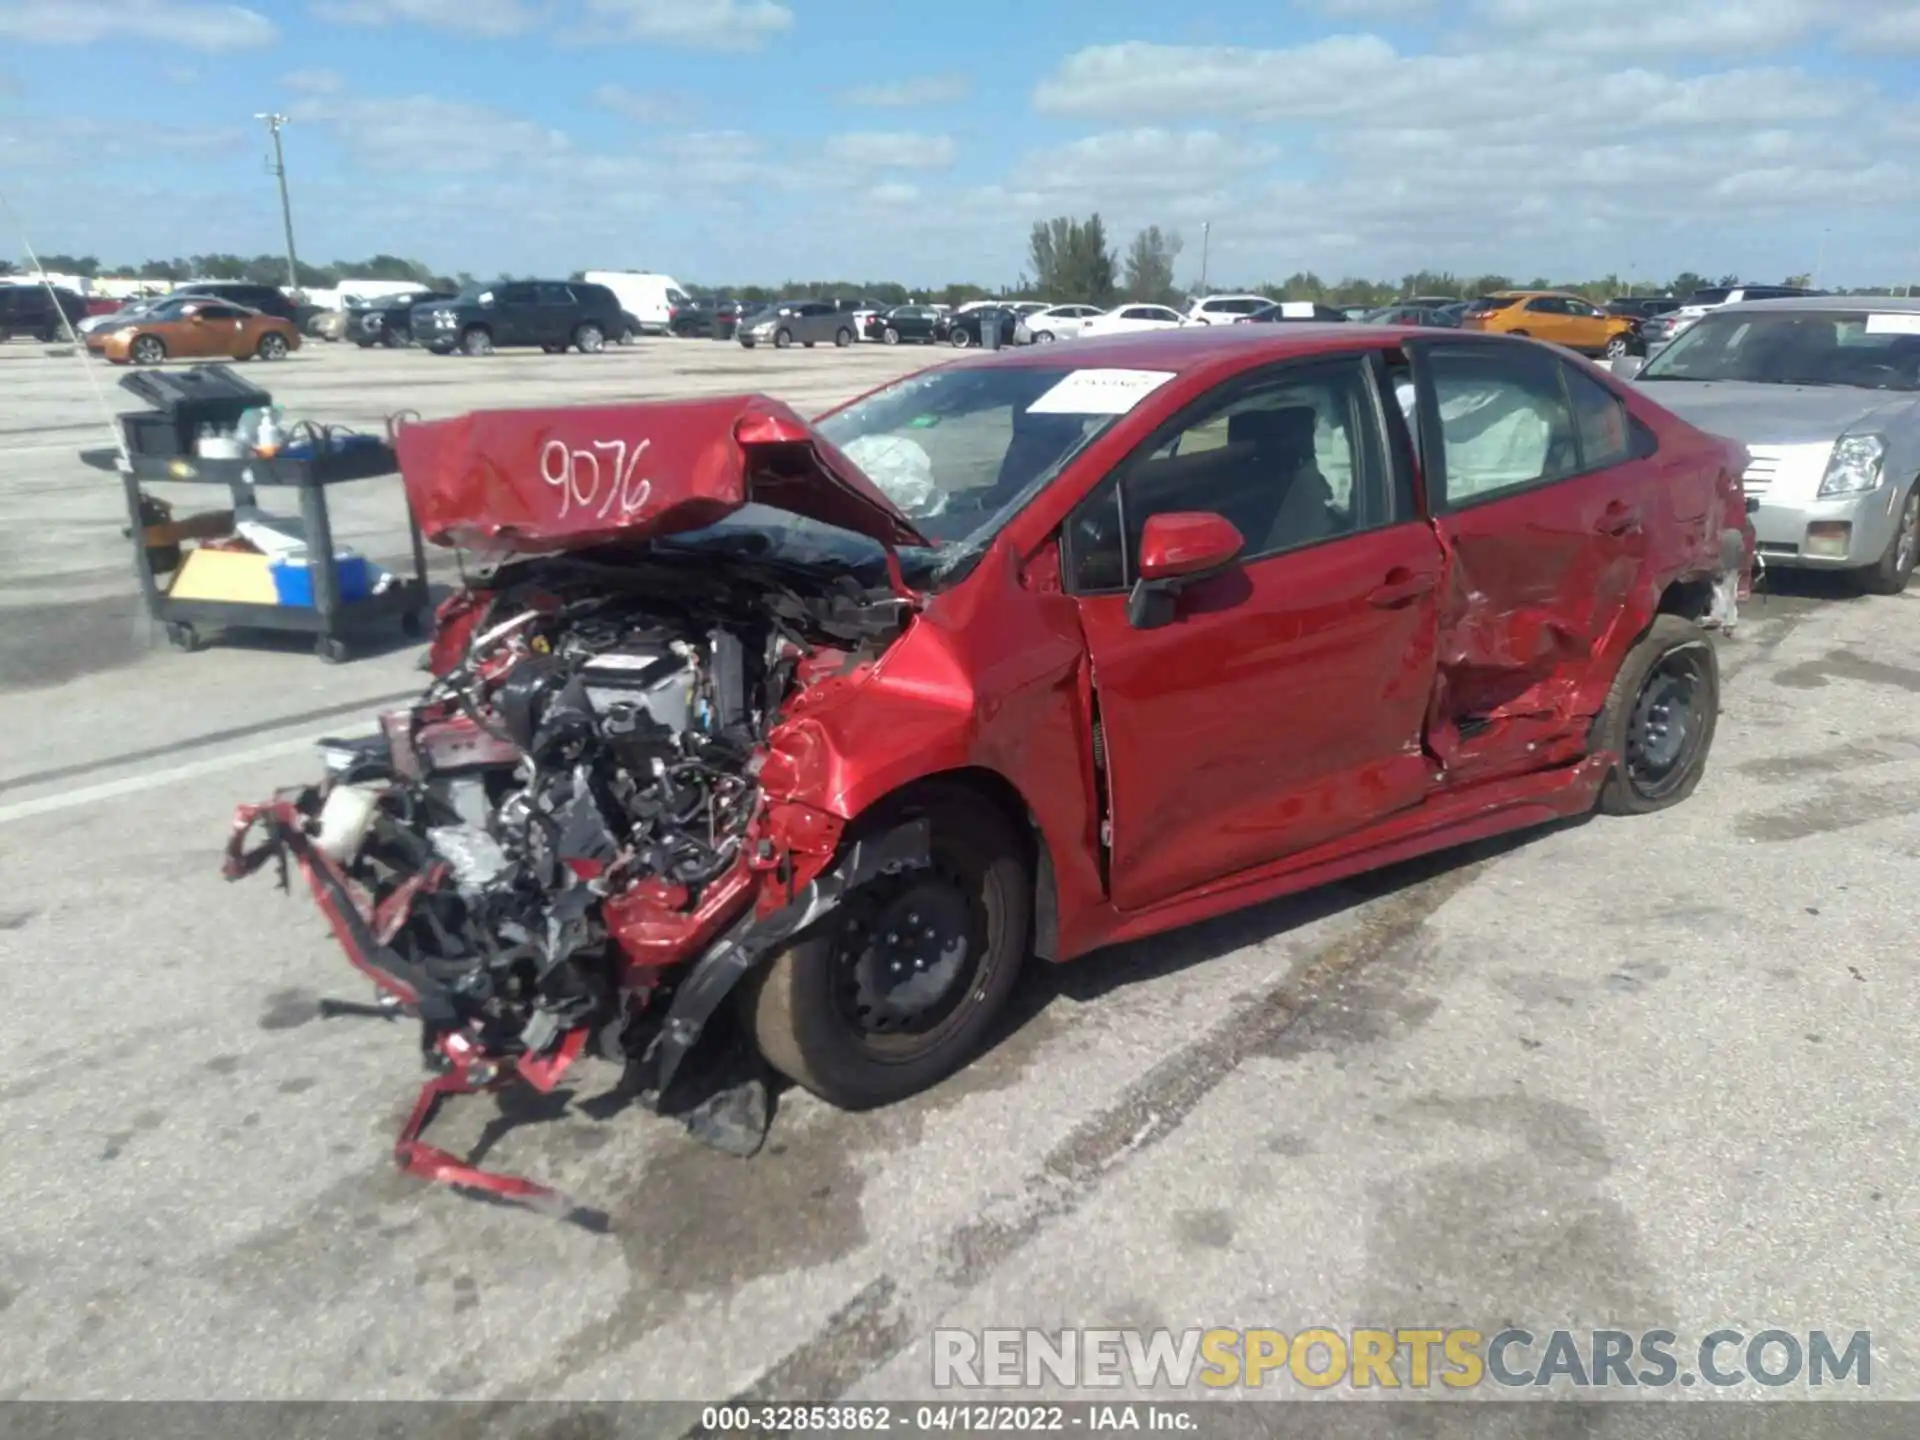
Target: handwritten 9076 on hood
(789, 744)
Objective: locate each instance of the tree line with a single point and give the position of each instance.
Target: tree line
(1069, 258)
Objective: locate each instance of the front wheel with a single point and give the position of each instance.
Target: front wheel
(590, 339)
(1659, 718)
(959, 339)
(1616, 347)
(843, 338)
(899, 987)
(477, 342)
(1891, 572)
(1043, 337)
(147, 350)
(782, 339)
(273, 346)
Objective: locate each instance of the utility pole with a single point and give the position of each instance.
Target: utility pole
(1819, 261)
(279, 168)
(1206, 233)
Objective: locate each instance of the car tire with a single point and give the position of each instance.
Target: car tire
(1616, 348)
(889, 336)
(808, 1009)
(782, 338)
(1043, 337)
(1659, 718)
(747, 344)
(959, 339)
(272, 346)
(1521, 333)
(589, 339)
(1890, 573)
(147, 350)
(477, 341)
(842, 338)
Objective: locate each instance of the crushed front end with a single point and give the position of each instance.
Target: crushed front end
(563, 845)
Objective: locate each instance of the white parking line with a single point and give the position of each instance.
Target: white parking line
(158, 779)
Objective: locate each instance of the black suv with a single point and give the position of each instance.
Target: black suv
(387, 320)
(553, 314)
(27, 309)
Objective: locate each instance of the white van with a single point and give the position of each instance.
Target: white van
(648, 297)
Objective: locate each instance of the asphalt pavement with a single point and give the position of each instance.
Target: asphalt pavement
(1632, 1074)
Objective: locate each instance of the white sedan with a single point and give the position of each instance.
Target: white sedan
(1126, 319)
(1054, 322)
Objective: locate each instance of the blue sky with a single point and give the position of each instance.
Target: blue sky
(761, 140)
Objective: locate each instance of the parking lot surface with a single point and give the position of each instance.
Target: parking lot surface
(1622, 1074)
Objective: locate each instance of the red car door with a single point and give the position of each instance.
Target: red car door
(1542, 488)
(1282, 705)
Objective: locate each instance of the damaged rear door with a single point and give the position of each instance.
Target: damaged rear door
(1281, 703)
(1540, 486)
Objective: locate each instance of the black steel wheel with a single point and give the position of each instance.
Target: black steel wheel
(898, 988)
(1660, 718)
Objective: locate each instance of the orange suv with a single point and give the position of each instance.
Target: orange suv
(1555, 316)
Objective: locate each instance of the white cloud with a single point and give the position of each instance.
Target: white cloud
(314, 82)
(919, 90)
(186, 23)
(1656, 28)
(693, 24)
(1896, 28)
(646, 107)
(425, 135)
(493, 18)
(891, 150)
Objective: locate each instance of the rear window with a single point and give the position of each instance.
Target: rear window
(1487, 304)
(1716, 296)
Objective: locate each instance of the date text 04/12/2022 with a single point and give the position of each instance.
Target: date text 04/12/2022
(945, 1419)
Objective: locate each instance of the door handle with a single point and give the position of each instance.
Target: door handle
(1618, 519)
(1400, 586)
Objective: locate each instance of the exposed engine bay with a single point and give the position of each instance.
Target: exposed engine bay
(529, 855)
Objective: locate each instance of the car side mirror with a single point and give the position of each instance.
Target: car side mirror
(1627, 366)
(1179, 549)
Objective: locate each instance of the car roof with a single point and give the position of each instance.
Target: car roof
(1204, 347)
(1535, 294)
(1885, 304)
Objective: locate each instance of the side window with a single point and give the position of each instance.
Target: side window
(1502, 418)
(1291, 460)
(518, 293)
(1600, 418)
(1546, 305)
(549, 293)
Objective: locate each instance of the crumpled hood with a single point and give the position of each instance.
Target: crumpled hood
(567, 478)
(1758, 414)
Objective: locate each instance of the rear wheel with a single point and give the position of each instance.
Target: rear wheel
(1891, 572)
(272, 346)
(147, 350)
(589, 339)
(477, 341)
(1043, 337)
(782, 338)
(550, 348)
(843, 337)
(959, 339)
(1659, 718)
(890, 336)
(898, 988)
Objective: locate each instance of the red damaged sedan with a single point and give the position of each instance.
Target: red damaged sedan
(825, 728)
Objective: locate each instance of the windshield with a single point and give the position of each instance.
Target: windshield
(1796, 347)
(475, 290)
(960, 452)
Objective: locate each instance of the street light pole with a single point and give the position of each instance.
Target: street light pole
(273, 123)
(1206, 232)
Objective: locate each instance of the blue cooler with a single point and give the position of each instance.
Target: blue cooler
(293, 580)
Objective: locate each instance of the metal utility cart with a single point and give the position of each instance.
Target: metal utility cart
(162, 445)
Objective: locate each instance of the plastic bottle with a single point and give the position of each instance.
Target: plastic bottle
(272, 434)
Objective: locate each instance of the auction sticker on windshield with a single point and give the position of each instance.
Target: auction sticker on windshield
(1100, 392)
(1894, 324)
